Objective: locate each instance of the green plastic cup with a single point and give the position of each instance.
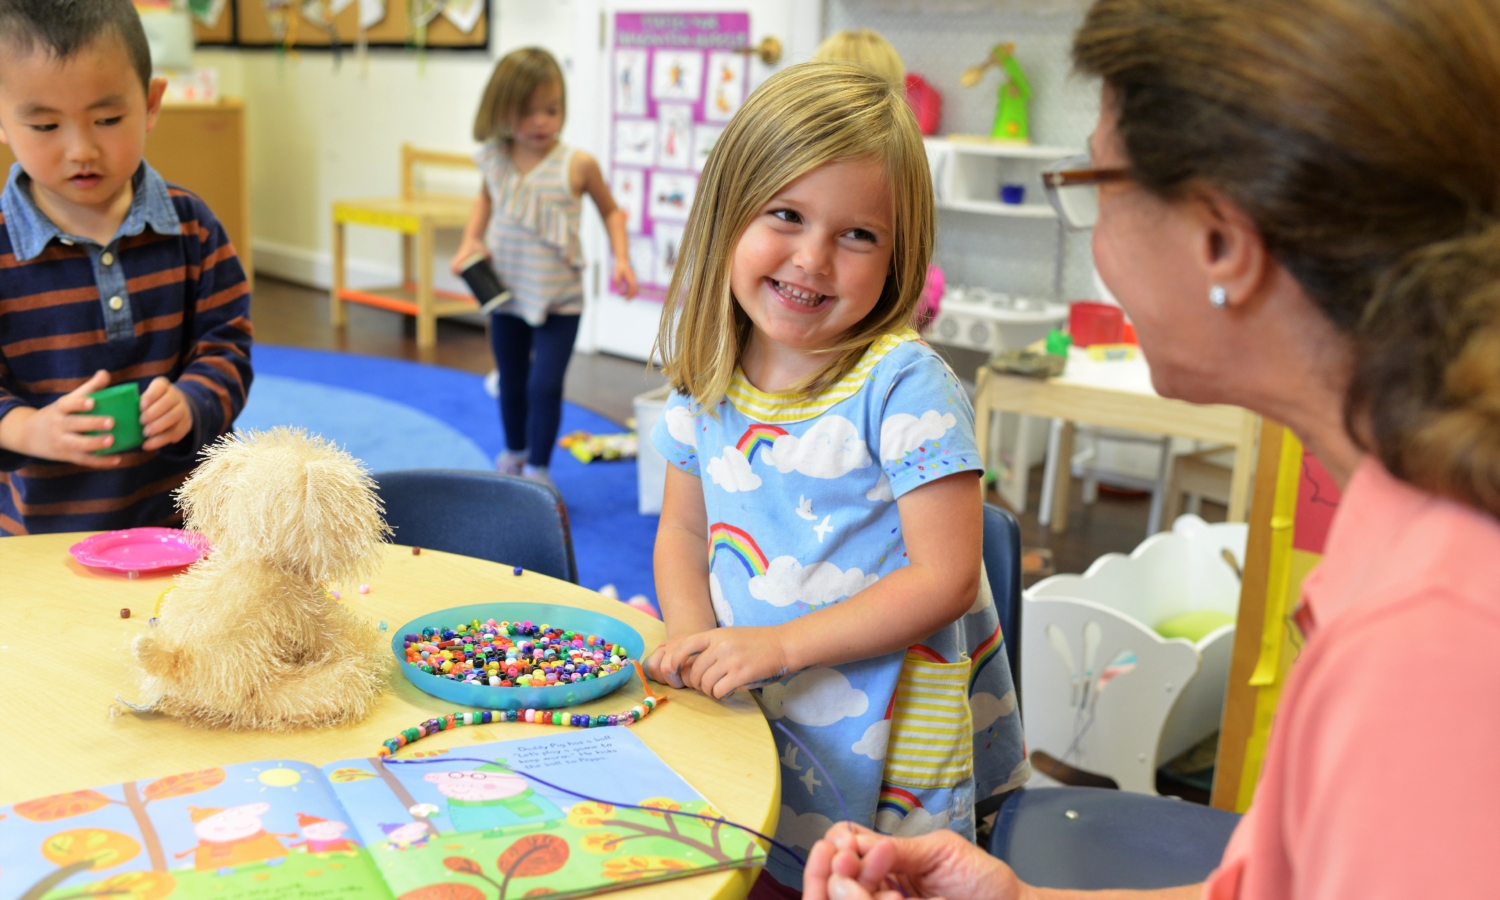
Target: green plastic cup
(123, 404)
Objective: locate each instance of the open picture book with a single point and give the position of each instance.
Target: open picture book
(471, 823)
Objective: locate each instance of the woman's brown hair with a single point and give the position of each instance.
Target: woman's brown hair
(516, 78)
(1363, 139)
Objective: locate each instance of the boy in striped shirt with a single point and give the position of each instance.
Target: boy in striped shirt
(107, 275)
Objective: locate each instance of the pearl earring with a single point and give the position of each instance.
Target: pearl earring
(1218, 296)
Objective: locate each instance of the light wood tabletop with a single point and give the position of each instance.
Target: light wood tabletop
(64, 655)
(1111, 395)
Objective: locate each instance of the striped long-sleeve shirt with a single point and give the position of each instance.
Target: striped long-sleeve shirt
(166, 297)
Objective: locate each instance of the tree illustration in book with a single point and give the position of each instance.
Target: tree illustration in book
(482, 822)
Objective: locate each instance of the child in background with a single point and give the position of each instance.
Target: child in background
(526, 221)
(867, 50)
(111, 276)
(821, 529)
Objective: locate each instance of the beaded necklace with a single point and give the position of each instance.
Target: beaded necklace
(534, 716)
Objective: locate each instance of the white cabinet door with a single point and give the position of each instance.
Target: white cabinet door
(661, 165)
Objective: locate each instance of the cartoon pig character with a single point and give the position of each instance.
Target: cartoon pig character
(493, 799)
(404, 837)
(232, 837)
(319, 835)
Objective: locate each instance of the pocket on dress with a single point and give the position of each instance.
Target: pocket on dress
(932, 730)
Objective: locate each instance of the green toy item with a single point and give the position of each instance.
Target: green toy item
(1195, 626)
(1012, 121)
(123, 404)
(1058, 342)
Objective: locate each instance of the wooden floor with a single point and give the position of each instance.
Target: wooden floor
(294, 315)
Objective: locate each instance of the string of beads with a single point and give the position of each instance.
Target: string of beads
(533, 716)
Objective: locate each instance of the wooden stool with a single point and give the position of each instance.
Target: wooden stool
(416, 215)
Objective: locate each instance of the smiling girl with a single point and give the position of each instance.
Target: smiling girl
(821, 527)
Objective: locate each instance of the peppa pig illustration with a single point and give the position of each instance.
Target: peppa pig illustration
(232, 837)
(494, 800)
(319, 835)
(405, 836)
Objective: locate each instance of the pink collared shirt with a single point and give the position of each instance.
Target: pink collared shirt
(1382, 778)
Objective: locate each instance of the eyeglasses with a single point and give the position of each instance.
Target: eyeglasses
(1073, 189)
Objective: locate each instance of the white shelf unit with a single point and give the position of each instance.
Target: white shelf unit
(968, 176)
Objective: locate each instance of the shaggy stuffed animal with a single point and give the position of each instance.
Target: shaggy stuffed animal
(249, 637)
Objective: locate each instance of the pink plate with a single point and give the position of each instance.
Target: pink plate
(140, 549)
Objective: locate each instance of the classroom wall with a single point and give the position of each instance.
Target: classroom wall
(322, 130)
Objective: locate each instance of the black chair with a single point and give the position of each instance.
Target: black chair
(501, 518)
(1095, 839)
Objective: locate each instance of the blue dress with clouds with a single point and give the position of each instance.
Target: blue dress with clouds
(801, 495)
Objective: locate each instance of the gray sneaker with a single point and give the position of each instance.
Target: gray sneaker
(537, 474)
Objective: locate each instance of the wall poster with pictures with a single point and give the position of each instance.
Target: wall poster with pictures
(677, 79)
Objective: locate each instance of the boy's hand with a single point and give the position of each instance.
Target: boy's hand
(720, 661)
(466, 249)
(166, 415)
(623, 280)
(54, 433)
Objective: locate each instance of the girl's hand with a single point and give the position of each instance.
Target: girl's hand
(721, 661)
(623, 279)
(665, 663)
(466, 249)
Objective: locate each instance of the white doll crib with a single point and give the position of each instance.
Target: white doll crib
(1102, 691)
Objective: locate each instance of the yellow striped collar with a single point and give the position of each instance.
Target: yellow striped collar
(761, 406)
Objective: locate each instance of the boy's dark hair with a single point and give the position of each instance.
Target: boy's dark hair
(63, 27)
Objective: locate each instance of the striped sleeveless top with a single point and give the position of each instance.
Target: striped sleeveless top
(532, 235)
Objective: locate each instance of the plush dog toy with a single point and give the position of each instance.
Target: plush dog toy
(250, 638)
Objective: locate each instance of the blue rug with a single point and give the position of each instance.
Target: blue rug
(394, 414)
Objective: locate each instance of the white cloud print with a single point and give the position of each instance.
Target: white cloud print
(902, 433)
(815, 697)
(732, 471)
(801, 831)
(881, 492)
(917, 822)
(786, 582)
(988, 709)
(872, 743)
(831, 448)
(681, 427)
(722, 610)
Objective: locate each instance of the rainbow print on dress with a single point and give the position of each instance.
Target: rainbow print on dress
(725, 537)
(983, 654)
(758, 437)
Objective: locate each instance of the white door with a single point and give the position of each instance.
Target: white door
(652, 66)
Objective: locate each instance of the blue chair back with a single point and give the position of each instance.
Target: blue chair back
(501, 518)
(1002, 563)
(1098, 839)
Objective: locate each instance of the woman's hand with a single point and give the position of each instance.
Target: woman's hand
(854, 863)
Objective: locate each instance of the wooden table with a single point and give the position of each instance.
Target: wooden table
(64, 653)
(1111, 395)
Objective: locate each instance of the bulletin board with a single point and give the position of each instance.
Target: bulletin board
(300, 24)
(677, 79)
(221, 32)
(1295, 499)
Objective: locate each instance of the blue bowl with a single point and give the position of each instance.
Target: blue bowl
(570, 618)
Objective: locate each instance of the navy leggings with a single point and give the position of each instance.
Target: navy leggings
(532, 363)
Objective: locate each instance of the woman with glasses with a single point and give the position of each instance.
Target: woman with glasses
(1298, 203)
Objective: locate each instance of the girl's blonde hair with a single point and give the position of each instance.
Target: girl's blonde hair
(517, 77)
(803, 117)
(866, 49)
